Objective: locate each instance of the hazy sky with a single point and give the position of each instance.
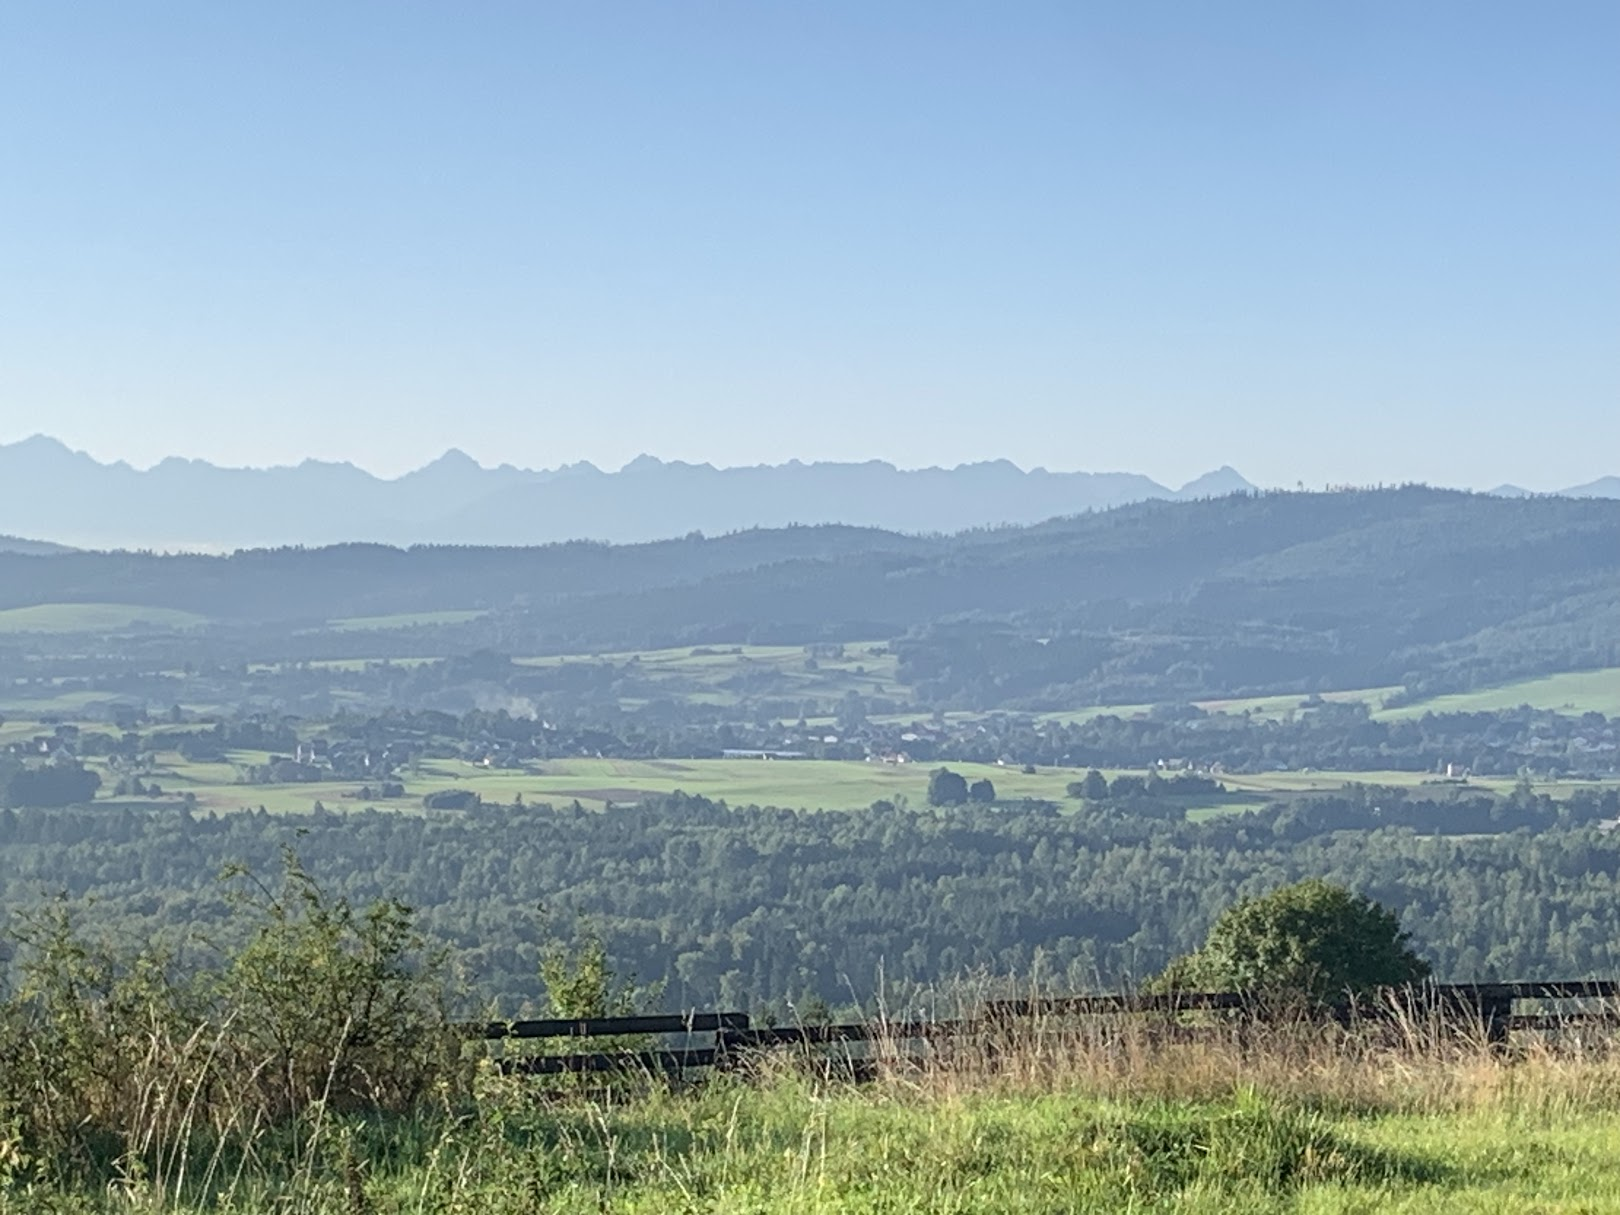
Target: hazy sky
(1352, 242)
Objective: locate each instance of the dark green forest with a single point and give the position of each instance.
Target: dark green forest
(752, 907)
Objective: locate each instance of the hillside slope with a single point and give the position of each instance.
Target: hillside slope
(1437, 590)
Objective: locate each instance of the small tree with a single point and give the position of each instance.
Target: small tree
(580, 980)
(982, 792)
(581, 983)
(334, 1003)
(1094, 788)
(1312, 938)
(947, 788)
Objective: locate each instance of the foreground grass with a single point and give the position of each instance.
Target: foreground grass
(789, 1151)
(1496, 1161)
(791, 1145)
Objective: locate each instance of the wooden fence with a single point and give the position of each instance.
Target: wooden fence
(730, 1037)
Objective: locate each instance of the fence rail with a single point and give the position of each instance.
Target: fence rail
(616, 1027)
(1491, 1006)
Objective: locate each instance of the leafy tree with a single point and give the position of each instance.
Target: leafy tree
(1124, 785)
(1312, 938)
(1094, 788)
(851, 712)
(452, 799)
(947, 788)
(580, 981)
(982, 792)
(61, 784)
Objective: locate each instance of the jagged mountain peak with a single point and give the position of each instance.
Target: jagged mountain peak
(455, 458)
(48, 491)
(1222, 481)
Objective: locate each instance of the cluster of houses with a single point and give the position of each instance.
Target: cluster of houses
(63, 741)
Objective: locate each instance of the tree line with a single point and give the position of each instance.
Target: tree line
(747, 906)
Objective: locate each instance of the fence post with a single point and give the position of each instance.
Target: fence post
(1496, 1011)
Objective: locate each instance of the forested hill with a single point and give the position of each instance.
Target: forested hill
(316, 584)
(1282, 590)
(16, 544)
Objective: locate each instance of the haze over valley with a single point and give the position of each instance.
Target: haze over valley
(822, 609)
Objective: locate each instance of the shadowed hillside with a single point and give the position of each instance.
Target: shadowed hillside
(1434, 589)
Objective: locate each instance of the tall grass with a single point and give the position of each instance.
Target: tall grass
(120, 1073)
(315, 1069)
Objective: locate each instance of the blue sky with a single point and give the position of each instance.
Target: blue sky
(1329, 243)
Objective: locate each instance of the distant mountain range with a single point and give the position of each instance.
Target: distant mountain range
(50, 492)
(1603, 487)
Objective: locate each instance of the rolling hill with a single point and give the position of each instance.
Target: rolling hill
(33, 548)
(1433, 590)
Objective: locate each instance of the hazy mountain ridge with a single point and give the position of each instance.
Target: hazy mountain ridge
(30, 548)
(56, 494)
(1436, 590)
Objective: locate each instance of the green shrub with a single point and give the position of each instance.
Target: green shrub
(113, 1064)
(1312, 939)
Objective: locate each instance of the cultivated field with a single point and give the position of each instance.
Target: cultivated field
(1572, 692)
(725, 674)
(808, 784)
(798, 784)
(94, 618)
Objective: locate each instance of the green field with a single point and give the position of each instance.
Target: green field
(724, 675)
(810, 784)
(94, 618)
(800, 784)
(1273, 708)
(1264, 708)
(1571, 692)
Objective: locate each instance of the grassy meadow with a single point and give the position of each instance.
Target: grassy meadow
(810, 784)
(1571, 692)
(95, 618)
(801, 784)
(794, 783)
(1050, 1119)
(723, 675)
